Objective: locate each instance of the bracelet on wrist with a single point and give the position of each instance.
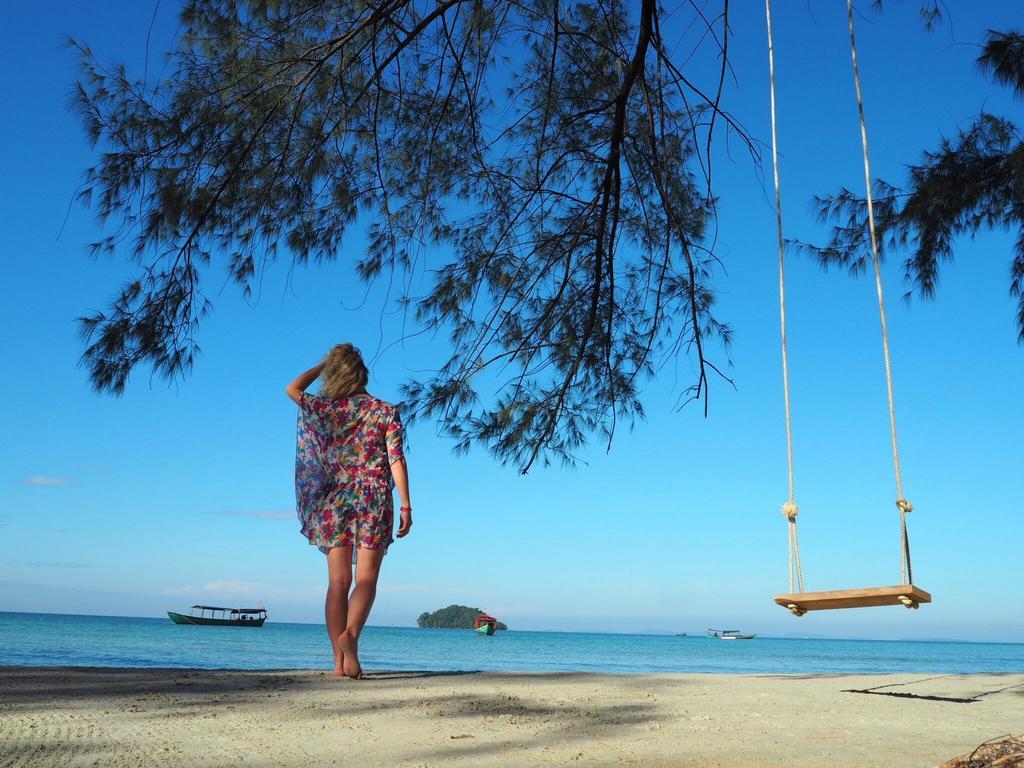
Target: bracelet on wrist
(405, 509)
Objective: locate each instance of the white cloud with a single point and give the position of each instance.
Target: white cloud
(54, 564)
(178, 591)
(406, 588)
(232, 586)
(43, 480)
(230, 589)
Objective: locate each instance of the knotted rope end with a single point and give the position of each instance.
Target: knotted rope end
(904, 505)
(789, 509)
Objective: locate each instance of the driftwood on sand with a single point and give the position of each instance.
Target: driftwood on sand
(1002, 752)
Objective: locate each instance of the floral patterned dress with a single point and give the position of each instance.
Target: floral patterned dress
(343, 455)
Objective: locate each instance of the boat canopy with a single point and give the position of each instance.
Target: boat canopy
(230, 610)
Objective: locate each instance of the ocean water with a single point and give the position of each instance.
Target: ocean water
(55, 639)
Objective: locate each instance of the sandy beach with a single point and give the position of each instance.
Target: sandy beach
(141, 717)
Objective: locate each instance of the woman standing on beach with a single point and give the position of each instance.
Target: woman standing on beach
(348, 455)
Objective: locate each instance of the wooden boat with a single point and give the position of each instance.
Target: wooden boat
(221, 617)
(485, 624)
(730, 634)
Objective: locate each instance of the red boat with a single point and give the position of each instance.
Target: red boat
(485, 624)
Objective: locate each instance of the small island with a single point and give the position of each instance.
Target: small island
(452, 617)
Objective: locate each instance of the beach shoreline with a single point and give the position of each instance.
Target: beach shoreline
(58, 716)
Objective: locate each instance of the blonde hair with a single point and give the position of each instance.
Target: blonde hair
(344, 372)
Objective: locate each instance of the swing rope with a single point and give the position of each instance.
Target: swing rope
(902, 504)
(789, 509)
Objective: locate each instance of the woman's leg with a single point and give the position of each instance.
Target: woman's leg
(339, 581)
(359, 605)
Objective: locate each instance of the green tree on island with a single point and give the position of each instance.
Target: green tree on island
(452, 617)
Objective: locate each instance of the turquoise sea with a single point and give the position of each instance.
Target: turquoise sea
(37, 639)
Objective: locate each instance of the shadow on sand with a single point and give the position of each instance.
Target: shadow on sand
(463, 713)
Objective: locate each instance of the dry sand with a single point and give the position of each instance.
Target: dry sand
(153, 717)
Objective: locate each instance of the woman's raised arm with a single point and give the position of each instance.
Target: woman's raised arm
(303, 380)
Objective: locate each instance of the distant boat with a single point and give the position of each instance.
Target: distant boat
(228, 617)
(730, 634)
(485, 624)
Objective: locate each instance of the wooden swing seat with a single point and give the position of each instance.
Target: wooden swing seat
(801, 602)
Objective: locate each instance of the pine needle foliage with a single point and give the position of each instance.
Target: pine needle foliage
(973, 181)
(553, 151)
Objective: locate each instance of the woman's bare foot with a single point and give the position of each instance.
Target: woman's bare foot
(347, 645)
(339, 662)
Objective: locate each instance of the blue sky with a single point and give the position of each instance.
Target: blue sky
(178, 494)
